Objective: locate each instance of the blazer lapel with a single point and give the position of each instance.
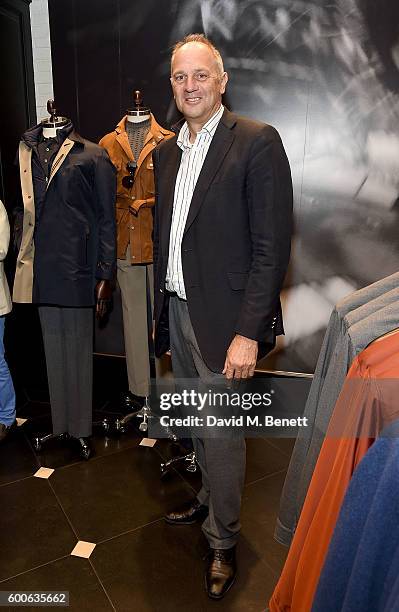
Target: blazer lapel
(219, 147)
(167, 188)
(123, 140)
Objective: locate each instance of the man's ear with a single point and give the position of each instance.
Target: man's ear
(223, 82)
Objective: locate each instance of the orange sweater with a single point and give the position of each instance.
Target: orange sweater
(367, 402)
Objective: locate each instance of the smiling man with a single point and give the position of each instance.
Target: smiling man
(223, 219)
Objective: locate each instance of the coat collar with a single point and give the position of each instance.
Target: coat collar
(228, 119)
(33, 135)
(155, 135)
(155, 129)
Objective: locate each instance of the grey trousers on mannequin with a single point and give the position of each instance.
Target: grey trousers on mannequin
(68, 345)
(221, 458)
(135, 281)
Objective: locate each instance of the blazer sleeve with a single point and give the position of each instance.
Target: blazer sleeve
(105, 186)
(270, 207)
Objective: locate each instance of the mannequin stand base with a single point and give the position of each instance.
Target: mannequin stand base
(145, 413)
(188, 459)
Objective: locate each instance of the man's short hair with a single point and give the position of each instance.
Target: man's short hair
(199, 38)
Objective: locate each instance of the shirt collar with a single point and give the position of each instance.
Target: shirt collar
(183, 139)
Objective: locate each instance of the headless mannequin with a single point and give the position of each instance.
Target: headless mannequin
(103, 289)
(66, 330)
(130, 148)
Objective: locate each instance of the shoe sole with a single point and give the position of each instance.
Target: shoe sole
(171, 522)
(226, 591)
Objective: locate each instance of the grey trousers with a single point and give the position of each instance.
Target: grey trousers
(221, 459)
(68, 345)
(135, 282)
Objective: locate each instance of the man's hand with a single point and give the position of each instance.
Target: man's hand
(241, 358)
(103, 292)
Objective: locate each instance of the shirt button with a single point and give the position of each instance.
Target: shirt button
(132, 227)
(45, 160)
(133, 256)
(47, 149)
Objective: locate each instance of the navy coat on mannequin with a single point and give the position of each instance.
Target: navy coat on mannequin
(68, 237)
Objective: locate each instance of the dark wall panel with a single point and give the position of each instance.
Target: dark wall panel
(97, 66)
(17, 100)
(63, 56)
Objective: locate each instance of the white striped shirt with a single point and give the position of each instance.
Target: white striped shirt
(191, 163)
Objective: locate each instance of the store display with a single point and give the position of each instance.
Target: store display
(366, 404)
(130, 148)
(66, 229)
(354, 323)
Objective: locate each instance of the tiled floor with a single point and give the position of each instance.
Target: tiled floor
(116, 501)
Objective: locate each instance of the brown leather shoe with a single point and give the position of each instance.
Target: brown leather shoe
(221, 572)
(190, 513)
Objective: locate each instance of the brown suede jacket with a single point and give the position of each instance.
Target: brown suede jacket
(134, 220)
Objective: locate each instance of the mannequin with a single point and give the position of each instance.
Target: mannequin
(139, 112)
(66, 268)
(51, 125)
(130, 148)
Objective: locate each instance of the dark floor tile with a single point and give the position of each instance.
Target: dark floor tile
(111, 405)
(17, 460)
(161, 567)
(34, 529)
(20, 397)
(32, 410)
(69, 574)
(259, 512)
(37, 393)
(109, 495)
(285, 445)
(263, 459)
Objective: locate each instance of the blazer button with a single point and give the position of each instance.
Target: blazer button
(132, 227)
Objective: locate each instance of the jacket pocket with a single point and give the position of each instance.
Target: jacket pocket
(238, 280)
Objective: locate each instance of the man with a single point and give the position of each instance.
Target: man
(223, 220)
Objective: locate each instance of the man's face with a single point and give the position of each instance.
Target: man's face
(197, 99)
